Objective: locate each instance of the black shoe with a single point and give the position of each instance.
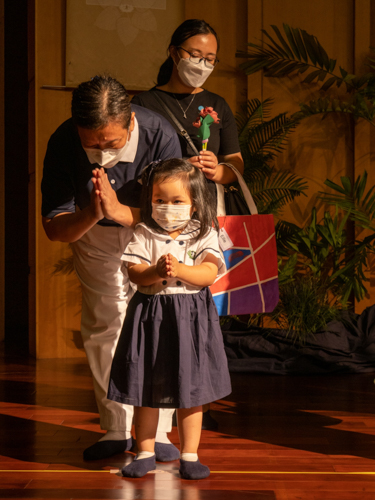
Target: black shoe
(105, 449)
(208, 422)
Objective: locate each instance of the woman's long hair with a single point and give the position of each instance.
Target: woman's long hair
(194, 182)
(189, 28)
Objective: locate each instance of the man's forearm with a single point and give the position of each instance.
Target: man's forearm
(126, 216)
(69, 227)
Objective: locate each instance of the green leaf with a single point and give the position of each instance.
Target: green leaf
(300, 44)
(311, 47)
(346, 182)
(275, 47)
(251, 67)
(360, 186)
(332, 65)
(283, 42)
(328, 84)
(323, 56)
(272, 69)
(343, 72)
(311, 76)
(303, 67)
(291, 40)
(282, 70)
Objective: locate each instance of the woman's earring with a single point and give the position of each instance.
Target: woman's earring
(172, 53)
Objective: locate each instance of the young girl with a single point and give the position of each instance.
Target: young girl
(170, 353)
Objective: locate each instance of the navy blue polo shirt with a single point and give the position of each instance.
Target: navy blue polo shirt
(67, 171)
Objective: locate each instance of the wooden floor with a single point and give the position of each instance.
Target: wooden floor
(279, 437)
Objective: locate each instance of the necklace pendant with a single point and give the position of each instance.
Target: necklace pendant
(184, 111)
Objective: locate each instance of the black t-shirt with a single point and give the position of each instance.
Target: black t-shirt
(223, 138)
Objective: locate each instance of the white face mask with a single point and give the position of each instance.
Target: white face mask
(193, 75)
(107, 158)
(171, 217)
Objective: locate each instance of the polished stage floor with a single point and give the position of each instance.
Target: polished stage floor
(279, 438)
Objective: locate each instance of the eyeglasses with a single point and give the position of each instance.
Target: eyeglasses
(209, 62)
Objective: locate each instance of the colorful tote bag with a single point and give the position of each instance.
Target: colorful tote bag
(250, 284)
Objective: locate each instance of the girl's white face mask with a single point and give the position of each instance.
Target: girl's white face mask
(171, 217)
(193, 75)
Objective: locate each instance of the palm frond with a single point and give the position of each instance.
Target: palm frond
(273, 192)
(296, 51)
(287, 269)
(251, 114)
(256, 169)
(285, 233)
(356, 106)
(270, 137)
(258, 135)
(304, 308)
(351, 199)
(64, 266)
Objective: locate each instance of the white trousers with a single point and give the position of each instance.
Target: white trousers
(106, 291)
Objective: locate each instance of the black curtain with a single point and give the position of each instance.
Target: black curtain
(16, 174)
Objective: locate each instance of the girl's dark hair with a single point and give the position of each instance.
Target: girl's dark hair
(189, 28)
(100, 101)
(195, 183)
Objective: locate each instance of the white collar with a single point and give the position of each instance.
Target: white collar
(192, 227)
(130, 152)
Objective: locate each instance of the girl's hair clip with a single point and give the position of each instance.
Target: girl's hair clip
(150, 169)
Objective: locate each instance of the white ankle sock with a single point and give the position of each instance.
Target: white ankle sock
(116, 436)
(189, 457)
(144, 454)
(161, 437)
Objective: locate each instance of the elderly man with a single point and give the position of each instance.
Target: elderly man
(104, 131)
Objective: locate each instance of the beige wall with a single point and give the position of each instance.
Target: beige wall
(317, 150)
(57, 308)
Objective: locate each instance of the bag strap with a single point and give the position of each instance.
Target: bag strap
(177, 123)
(219, 187)
(245, 190)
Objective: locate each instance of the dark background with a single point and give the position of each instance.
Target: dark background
(16, 173)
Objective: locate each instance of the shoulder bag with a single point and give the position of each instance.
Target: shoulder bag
(250, 284)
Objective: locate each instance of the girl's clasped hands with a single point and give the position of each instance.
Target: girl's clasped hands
(167, 266)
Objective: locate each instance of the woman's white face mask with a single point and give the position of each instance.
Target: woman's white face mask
(193, 75)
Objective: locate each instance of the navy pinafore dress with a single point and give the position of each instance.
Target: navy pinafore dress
(170, 353)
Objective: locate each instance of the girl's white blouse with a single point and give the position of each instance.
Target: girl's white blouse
(147, 246)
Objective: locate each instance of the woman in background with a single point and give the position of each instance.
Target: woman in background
(192, 58)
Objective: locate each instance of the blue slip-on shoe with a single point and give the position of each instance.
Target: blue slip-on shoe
(166, 452)
(193, 470)
(139, 468)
